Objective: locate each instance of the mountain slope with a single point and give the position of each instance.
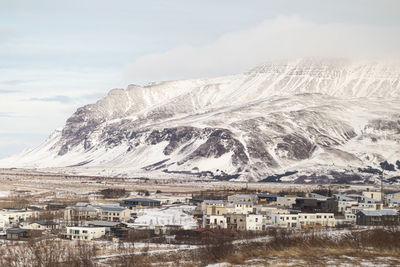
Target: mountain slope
(310, 115)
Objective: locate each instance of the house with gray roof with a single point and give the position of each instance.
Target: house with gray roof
(378, 217)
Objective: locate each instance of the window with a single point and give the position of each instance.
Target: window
(318, 216)
(256, 219)
(84, 232)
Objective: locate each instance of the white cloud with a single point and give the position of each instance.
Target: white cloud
(280, 38)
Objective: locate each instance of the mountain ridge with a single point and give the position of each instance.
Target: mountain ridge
(271, 119)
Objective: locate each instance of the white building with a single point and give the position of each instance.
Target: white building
(215, 221)
(85, 233)
(317, 219)
(42, 225)
(241, 207)
(286, 201)
(254, 222)
(285, 220)
(14, 216)
(345, 203)
(303, 220)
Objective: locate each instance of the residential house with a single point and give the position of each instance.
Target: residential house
(241, 207)
(16, 215)
(114, 214)
(297, 220)
(81, 213)
(215, 210)
(290, 220)
(378, 217)
(254, 222)
(85, 233)
(345, 203)
(317, 219)
(215, 221)
(21, 234)
(42, 225)
(206, 207)
(118, 229)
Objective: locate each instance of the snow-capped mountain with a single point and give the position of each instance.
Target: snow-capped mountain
(310, 116)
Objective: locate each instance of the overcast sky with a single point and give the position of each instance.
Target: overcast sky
(59, 55)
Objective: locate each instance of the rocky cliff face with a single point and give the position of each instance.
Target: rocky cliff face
(307, 116)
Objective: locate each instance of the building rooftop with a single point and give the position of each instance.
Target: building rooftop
(116, 209)
(213, 201)
(366, 199)
(45, 222)
(344, 198)
(379, 212)
(142, 200)
(104, 223)
(242, 202)
(268, 195)
(17, 230)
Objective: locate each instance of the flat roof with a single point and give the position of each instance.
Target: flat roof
(141, 199)
(379, 212)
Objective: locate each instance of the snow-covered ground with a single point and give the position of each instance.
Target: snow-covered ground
(167, 215)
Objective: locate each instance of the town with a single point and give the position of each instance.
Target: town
(142, 217)
(241, 212)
